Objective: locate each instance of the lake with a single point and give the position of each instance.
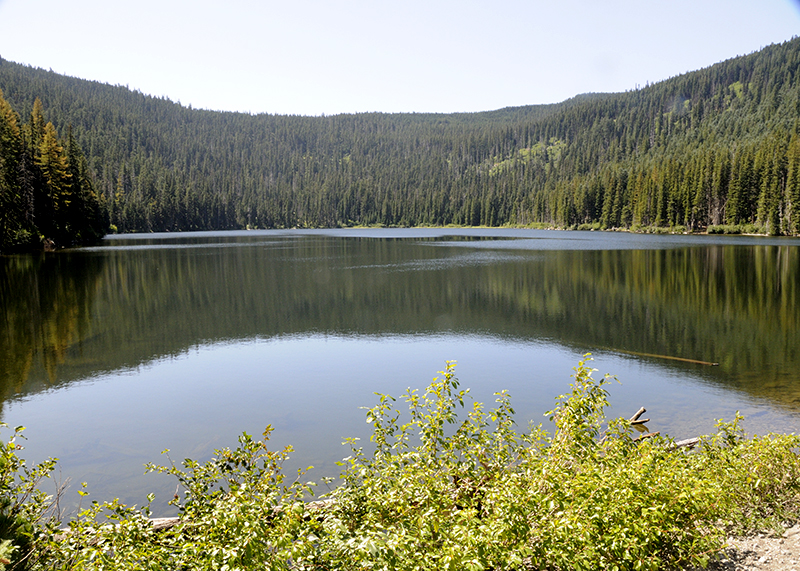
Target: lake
(109, 355)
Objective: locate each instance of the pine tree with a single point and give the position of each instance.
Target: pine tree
(793, 187)
(86, 214)
(56, 196)
(12, 208)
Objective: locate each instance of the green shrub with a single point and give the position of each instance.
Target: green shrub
(485, 497)
(450, 485)
(657, 229)
(27, 514)
(736, 229)
(237, 514)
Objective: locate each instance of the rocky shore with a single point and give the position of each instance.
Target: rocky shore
(761, 552)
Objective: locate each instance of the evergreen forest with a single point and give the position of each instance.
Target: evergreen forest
(47, 197)
(712, 150)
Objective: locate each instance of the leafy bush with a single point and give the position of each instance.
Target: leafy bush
(237, 514)
(450, 485)
(486, 497)
(736, 229)
(27, 514)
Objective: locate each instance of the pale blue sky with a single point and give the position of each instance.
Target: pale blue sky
(311, 57)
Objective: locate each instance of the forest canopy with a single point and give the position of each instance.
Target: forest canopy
(47, 197)
(711, 150)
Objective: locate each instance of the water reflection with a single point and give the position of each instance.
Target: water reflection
(46, 305)
(184, 341)
(73, 315)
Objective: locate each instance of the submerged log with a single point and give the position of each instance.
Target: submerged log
(669, 357)
(636, 416)
(165, 523)
(638, 424)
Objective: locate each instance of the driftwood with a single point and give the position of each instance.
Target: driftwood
(160, 523)
(165, 523)
(636, 416)
(688, 443)
(668, 357)
(638, 424)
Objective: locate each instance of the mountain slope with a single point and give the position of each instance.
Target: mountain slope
(715, 146)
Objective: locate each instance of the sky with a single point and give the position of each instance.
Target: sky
(314, 57)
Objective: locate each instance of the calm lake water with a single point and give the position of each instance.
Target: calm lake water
(111, 354)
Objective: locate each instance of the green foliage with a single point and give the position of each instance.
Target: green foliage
(434, 492)
(483, 496)
(443, 490)
(27, 514)
(7, 549)
(716, 146)
(46, 194)
(608, 502)
(760, 476)
(736, 229)
(237, 513)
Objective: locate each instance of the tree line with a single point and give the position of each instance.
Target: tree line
(47, 198)
(712, 149)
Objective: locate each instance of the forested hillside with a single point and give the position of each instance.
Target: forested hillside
(713, 147)
(46, 195)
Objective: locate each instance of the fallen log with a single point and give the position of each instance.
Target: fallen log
(669, 357)
(636, 416)
(688, 443)
(165, 523)
(638, 423)
(160, 523)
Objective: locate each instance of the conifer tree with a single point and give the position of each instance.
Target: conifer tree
(46, 193)
(55, 196)
(793, 187)
(10, 209)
